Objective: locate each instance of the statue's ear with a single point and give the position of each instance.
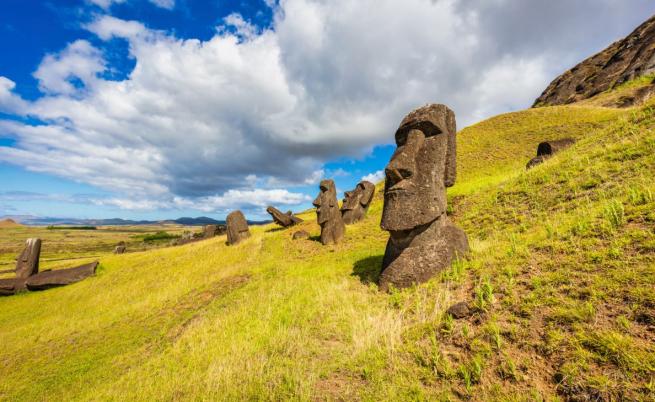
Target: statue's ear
(450, 172)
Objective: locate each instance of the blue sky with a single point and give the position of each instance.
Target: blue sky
(155, 109)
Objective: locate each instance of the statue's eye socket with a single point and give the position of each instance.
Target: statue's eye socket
(324, 188)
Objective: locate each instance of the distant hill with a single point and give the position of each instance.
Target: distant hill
(623, 61)
(54, 221)
(8, 223)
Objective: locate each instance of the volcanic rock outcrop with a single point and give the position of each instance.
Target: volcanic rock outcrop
(237, 227)
(282, 219)
(328, 214)
(547, 149)
(622, 61)
(422, 240)
(356, 202)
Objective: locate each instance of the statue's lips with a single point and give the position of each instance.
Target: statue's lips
(398, 191)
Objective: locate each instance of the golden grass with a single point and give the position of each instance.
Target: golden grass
(557, 254)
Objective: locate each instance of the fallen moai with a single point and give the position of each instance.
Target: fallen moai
(28, 276)
(282, 219)
(356, 202)
(547, 149)
(423, 241)
(61, 277)
(328, 214)
(237, 227)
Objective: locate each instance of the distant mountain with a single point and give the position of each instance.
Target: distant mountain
(46, 221)
(624, 60)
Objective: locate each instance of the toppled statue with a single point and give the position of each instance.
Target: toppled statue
(328, 214)
(61, 277)
(28, 276)
(423, 241)
(284, 220)
(356, 202)
(237, 227)
(547, 149)
(27, 263)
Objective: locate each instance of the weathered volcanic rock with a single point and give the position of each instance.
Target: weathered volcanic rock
(62, 277)
(282, 219)
(356, 202)
(547, 149)
(459, 310)
(328, 214)
(422, 240)
(301, 234)
(237, 227)
(27, 263)
(622, 61)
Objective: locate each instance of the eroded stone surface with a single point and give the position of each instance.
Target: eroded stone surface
(301, 234)
(328, 214)
(237, 227)
(459, 310)
(356, 202)
(27, 263)
(282, 219)
(422, 239)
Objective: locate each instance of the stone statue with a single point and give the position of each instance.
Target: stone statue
(547, 149)
(422, 239)
(120, 248)
(328, 214)
(209, 231)
(237, 227)
(284, 220)
(356, 202)
(27, 263)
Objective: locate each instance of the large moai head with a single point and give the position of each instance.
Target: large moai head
(421, 168)
(356, 202)
(328, 213)
(27, 263)
(237, 227)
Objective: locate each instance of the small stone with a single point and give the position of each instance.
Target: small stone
(459, 310)
(301, 234)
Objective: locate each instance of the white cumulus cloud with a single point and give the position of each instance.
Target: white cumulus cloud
(236, 117)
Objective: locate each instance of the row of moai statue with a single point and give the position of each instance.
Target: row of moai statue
(28, 276)
(422, 239)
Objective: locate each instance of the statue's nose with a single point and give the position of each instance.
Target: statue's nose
(403, 163)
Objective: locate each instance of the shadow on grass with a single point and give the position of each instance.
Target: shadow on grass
(368, 269)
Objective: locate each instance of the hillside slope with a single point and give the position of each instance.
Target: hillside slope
(623, 61)
(561, 276)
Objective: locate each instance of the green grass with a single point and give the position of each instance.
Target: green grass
(560, 279)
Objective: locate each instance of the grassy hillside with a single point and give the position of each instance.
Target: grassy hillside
(562, 275)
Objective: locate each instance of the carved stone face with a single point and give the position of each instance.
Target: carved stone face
(326, 201)
(328, 214)
(356, 202)
(421, 168)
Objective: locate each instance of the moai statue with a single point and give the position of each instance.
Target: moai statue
(237, 227)
(209, 231)
(120, 248)
(284, 220)
(328, 214)
(27, 263)
(547, 149)
(356, 202)
(422, 241)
